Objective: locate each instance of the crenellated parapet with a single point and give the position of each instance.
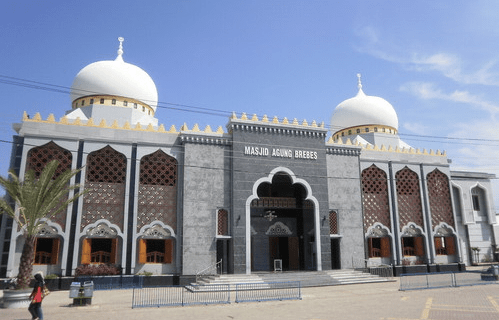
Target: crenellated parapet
(275, 120)
(369, 147)
(126, 126)
(274, 125)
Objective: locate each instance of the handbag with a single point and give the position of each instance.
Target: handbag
(45, 292)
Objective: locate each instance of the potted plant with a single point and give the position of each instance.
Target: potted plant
(33, 201)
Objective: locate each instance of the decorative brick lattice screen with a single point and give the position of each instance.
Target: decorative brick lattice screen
(375, 197)
(223, 222)
(39, 157)
(105, 182)
(409, 198)
(157, 199)
(440, 200)
(333, 222)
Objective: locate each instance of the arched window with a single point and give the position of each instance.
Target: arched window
(39, 157)
(409, 198)
(439, 197)
(105, 185)
(222, 222)
(157, 190)
(333, 222)
(375, 197)
(46, 250)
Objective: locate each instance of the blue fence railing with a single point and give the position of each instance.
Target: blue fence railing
(249, 292)
(114, 282)
(441, 279)
(180, 296)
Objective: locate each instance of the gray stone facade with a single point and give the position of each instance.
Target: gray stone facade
(278, 182)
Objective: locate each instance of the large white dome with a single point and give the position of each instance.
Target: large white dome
(116, 78)
(363, 110)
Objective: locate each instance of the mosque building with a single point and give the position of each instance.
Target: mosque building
(174, 201)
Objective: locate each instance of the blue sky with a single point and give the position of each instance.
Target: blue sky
(436, 62)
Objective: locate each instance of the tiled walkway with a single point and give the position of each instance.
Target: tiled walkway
(363, 301)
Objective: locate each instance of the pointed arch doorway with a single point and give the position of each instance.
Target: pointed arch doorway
(282, 222)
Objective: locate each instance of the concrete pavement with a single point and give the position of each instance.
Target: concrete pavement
(360, 301)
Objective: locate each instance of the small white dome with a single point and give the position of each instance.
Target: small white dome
(363, 110)
(116, 78)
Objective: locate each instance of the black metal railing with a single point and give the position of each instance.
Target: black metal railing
(180, 296)
(442, 279)
(214, 294)
(267, 291)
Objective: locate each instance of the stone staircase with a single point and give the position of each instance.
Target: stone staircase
(306, 278)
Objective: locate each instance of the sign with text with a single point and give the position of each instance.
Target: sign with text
(279, 153)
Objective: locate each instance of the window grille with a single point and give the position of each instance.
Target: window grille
(375, 197)
(222, 222)
(39, 157)
(439, 197)
(333, 222)
(409, 198)
(157, 189)
(105, 182)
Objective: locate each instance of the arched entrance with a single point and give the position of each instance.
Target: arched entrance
(282, 224)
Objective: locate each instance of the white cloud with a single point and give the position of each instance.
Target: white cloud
(447, 64)
(451, 67)
(426, 90)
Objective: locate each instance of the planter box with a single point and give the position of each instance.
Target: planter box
(15, 299)
(398, 270)
(161, 280)
(53, 284)
(432, 268)
(448, 267)
(186, 280)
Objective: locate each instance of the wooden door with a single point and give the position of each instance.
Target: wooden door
(294, 253)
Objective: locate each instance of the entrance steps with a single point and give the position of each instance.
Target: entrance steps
(306, 278)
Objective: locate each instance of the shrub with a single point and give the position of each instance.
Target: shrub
(51, 276)
(97, 270)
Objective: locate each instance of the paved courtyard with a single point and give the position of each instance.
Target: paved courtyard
(362, 301)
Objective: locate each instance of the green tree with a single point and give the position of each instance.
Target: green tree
(37, 199)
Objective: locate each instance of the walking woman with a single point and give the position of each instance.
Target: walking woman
(35, 307)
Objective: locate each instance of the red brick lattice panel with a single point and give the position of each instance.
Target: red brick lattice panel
(158, 169)
(106, 165)
(103, 201)
(157, 203)
(440, 200)
(333, 222)
(223, 222)
(39, 157)
(105, 182)
(157, 199)
(375, 197)
(409, 198)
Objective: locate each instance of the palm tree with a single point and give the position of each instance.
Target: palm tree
(36, 201)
